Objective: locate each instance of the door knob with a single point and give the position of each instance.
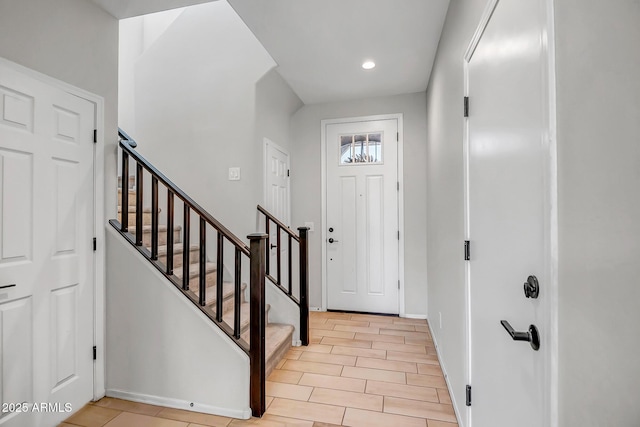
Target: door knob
(531, 336)
(331, 240)
(531, 287)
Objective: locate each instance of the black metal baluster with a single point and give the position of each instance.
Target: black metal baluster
(290, 272)
(202, 282)
(154, 218)
(186, 246)
(219, 272)
(268, 253)
(169, 232)
(278, 256)
(237, 295)
(124, 196)
(139, 203)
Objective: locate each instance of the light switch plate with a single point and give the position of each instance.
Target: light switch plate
(234, 174)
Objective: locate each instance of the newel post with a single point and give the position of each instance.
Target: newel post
(257, 345)
(304, 285)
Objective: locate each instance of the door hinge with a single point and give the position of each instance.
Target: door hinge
(288, 172)
(467, 250)
(468, 403)
(95, 244)
(397, 136)
(398, 185)
(398, 234)
(398, 284)
(466, 106)
(95, 136)
(95, 353)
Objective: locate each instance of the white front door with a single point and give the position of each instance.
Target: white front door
(508, 217)
(277, 202)
(46, 253)
(362, 216)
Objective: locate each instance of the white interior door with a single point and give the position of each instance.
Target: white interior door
(277, 189)
(46, 254)
(508, 216)
(362, 216)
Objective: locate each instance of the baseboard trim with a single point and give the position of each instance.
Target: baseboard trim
(415, 316)
(180, 404)
(446, 377)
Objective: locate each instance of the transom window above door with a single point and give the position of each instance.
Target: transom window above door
(361, 148)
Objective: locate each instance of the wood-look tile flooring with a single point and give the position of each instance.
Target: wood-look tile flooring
(358, 370)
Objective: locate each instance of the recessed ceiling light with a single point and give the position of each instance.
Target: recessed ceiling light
(367, 65)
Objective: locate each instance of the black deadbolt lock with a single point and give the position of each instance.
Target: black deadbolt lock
(531, 287)
(330, 229)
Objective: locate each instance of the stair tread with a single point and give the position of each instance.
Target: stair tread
(244, 316)
(194, 269)
(177, 249)
(132, 209)
(132, 228)
(275, 335)
(228, 290)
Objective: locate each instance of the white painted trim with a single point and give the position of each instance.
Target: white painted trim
(553, 413)
(414, 316)
(484, 20)
(446, 377)
(179, 404)
(323, 181)
(265, 167)
(99, 219)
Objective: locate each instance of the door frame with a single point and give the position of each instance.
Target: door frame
(551, 221)
(323, 180)
(98, 220)
(265, 166)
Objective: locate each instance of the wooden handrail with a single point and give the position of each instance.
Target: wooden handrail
(278, 222)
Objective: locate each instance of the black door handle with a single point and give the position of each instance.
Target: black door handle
(531, 336)
(8, 286)
(273, 246)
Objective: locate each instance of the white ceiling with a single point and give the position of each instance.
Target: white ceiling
(319, 45)
(122, 9)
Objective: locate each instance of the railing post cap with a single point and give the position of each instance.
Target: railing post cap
(304, 228)
(257, 236)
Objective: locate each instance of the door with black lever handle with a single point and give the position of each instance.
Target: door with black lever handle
(531, 336)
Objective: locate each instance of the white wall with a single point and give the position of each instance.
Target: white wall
(445, 186)
(599, 205)
(306, 193)
(598, 88)
(161, 349)
(204, 100)
(74, 41)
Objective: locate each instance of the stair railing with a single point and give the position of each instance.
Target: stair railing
(255, 254)
(276, 277)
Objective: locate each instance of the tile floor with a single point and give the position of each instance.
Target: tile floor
(358, 370)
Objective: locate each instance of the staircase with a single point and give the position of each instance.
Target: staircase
(278, 336)
(204, 278)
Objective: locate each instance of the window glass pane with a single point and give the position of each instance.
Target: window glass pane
(361, 149)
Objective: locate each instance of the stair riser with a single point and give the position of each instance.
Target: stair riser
(132, 197)
(162, 237)
(194, 282)
(132, 181)
(146, 218)
(177, 258)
